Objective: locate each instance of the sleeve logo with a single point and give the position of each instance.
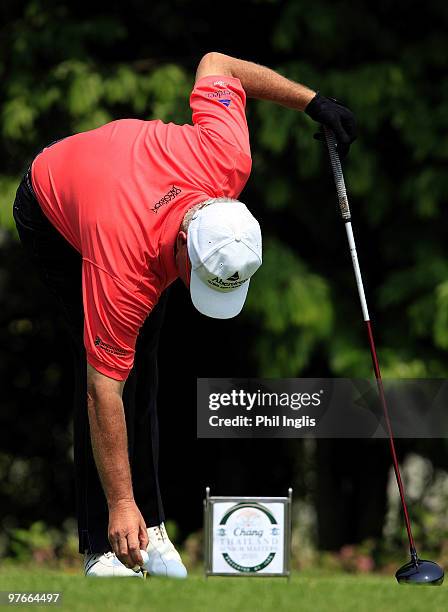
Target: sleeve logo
(108, 348)
(220, 94)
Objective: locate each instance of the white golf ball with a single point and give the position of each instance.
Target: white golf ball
(145, 557)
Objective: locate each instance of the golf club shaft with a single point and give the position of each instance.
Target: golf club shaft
(345, 212)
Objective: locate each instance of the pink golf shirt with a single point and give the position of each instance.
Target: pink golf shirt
(118, 194)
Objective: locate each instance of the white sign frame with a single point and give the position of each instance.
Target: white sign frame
(224, 504)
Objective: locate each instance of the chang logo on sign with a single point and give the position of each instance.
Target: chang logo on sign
(248, 537)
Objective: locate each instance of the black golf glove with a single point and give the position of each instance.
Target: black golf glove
(334, 115)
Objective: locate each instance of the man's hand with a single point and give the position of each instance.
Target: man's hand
(127, 533)
(334, 115)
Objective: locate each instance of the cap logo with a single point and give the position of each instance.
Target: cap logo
(233, 282)
(235, 277)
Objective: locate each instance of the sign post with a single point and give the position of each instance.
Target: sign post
(247, 536)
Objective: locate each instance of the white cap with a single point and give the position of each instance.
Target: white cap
(224, 246)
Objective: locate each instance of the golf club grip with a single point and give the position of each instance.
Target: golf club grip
(337, 173)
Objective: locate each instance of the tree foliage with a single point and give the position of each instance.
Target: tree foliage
(61, 73)
(67, 67)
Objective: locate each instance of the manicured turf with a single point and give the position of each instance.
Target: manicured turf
(311, 591)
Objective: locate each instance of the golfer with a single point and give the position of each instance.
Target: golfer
(111, 217)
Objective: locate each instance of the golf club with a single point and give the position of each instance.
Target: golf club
(416, 571)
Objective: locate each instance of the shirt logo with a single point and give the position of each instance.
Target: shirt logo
(220, 83)
(172, 193)
(108, 348)
(225, 102)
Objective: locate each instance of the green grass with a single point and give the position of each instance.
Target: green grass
(313, 591)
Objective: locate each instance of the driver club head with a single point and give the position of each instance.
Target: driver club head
(420, 572)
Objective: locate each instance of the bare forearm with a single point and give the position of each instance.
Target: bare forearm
(110, 446)
(263, 83)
